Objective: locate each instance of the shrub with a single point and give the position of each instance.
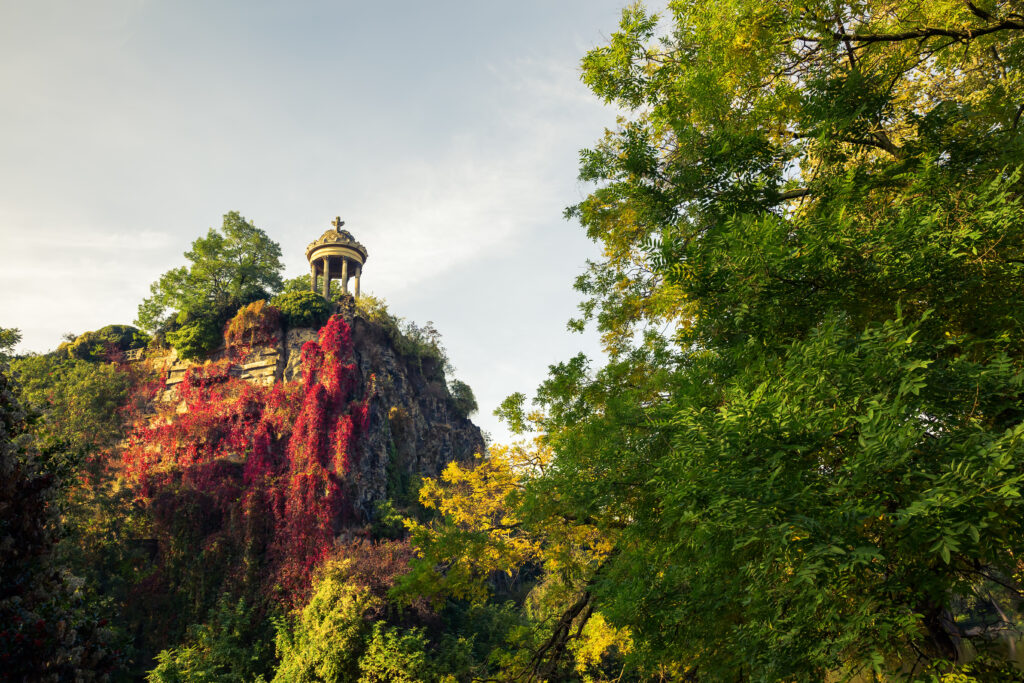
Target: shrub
(256, 324)
(462, 396)
(105, 343)
(395, 655)
(408, 338)
(196, 337)
(302, 308)
(325, 640)
(228, 648)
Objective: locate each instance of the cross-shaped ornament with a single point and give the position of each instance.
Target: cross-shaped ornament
(337, 223)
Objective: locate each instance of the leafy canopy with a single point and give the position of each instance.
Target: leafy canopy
(806, 448)
(302, 308)
(228, 268)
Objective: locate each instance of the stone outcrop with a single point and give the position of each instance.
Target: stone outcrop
(414, 427)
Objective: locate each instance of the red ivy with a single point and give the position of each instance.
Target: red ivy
(271, 460)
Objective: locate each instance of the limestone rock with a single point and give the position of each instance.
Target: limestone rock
(414, 428)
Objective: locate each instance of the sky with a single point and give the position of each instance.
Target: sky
(446, 135)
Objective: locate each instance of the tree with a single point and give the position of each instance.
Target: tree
(50, 631)
(9, 338)
(75, 409)
(808, 438)
(326, 639)
(462, 395)
(228, 268)
(488, 536)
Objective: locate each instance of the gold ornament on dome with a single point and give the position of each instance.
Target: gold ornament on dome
(336, 237)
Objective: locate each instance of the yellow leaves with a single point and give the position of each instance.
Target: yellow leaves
(480, 532)
(486, 525)
(596, 641)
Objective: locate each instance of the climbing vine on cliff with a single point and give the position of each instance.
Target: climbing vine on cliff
(253, 476)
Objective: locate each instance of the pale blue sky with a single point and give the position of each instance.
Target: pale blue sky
(445, 134)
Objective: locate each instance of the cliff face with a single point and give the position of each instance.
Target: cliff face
(414, 428)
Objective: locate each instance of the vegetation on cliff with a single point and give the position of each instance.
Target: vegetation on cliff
(228, 268)
(192, 528)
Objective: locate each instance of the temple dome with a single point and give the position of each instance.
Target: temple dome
(335, 237)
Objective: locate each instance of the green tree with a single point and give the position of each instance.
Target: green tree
(807, 442)
(299, 283)
(50, 631)
(227, 647)
(74, 408)
(326, 639)
(228, 268)
(462, 395)
(9, 338)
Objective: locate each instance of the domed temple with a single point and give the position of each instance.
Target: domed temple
(335, 256)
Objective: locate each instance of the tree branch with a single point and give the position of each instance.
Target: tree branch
(978, 12)
(925, 32)
(794, 194)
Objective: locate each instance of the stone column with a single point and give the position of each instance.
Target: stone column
(344, 275)
(327, 278)
(312, 276)
(359, 271)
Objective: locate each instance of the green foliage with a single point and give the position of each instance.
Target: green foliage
(227, 647)
(9, 338)
(302, 308)
(50, 631)
(375, 310)
(325, 641)
(228, 268)
(296, 284)
(196, 337)
(75, 408)
(462, 396)
(804, 453)
(422, 343)
(387, 522)
(394, 654)
(511, 411)
(104, 344)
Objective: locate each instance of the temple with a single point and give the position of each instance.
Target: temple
(335, 256)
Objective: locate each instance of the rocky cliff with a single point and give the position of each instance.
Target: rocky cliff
(414, 427)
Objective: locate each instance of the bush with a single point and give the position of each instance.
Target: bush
(256, 324)
(105, 343)
(325, 640)
(408, 338)
(302, 308)
(394, 654)
(462, 396)
(229, 647)
(195, 338)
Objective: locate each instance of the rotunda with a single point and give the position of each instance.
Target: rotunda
(335, 256)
